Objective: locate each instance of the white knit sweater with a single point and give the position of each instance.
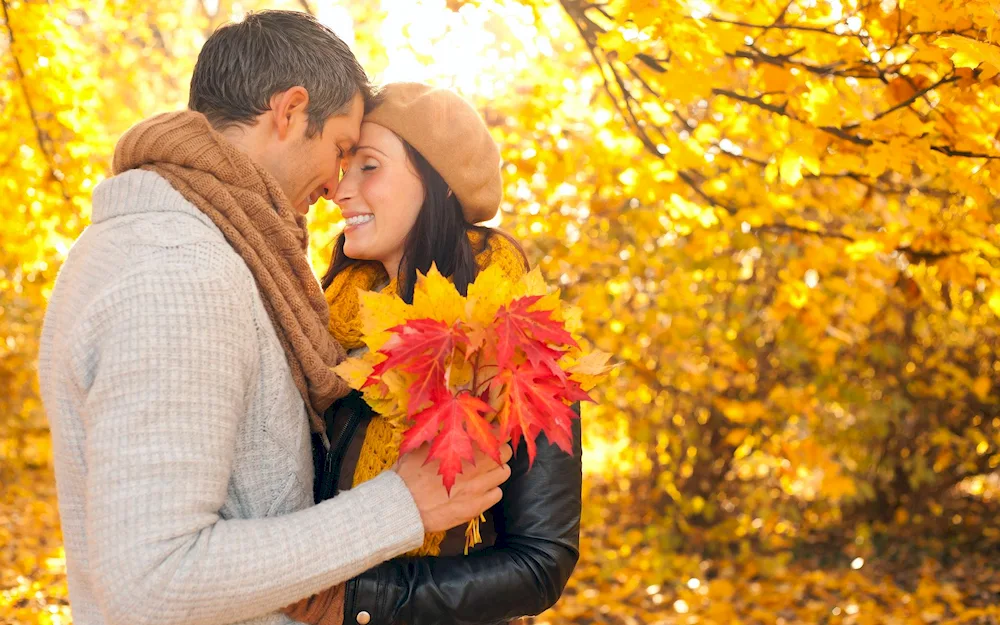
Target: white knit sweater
(182, 448)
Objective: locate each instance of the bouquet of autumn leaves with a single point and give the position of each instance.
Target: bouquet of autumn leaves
(499, 364)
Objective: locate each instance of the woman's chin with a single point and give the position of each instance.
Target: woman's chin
(355, 251)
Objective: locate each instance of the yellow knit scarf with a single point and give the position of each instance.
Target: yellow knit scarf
(380, 449)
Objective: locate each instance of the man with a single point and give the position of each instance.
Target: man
(185, 355)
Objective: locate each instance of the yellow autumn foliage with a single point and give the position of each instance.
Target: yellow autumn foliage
(781, 217)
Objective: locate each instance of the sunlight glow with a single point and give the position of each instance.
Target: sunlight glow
(338, 19)
(600, 455)
(700, 9)
(481, 51)
(474, 50)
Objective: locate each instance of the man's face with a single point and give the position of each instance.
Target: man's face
(310, 167)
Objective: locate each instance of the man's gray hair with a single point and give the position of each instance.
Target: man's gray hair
(243, 64)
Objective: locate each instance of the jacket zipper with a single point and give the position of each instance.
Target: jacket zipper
(338, 448)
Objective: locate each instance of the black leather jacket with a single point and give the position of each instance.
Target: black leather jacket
(531, 542)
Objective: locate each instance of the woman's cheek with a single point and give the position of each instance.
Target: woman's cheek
(377, 192)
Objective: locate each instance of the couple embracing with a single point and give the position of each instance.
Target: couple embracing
(211, 468)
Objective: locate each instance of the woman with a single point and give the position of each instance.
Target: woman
(424, 171)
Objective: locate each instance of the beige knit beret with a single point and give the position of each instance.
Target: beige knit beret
(451, 135)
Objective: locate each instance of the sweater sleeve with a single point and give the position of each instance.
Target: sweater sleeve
(169, 359)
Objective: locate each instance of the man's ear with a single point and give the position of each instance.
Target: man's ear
(288, 109)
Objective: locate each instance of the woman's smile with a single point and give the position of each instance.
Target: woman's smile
(357, 221)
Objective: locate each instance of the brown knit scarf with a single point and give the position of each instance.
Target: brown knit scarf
(249, 207)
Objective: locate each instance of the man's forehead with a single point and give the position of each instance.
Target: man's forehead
(349, 136)
(354, 137)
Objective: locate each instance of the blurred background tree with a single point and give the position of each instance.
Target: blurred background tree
(780, 216)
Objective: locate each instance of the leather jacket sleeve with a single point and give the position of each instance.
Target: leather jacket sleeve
(522, 574)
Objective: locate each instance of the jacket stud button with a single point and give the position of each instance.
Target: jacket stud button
(364, 618)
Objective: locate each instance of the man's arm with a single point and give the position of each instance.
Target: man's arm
(163, 408)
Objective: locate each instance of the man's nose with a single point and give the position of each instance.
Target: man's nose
(330, 188)
(343, 191)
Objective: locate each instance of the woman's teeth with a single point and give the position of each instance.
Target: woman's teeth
(357, 220)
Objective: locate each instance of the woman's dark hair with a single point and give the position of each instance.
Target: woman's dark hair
(439, 236)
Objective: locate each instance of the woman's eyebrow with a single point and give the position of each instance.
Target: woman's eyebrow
(358, 148)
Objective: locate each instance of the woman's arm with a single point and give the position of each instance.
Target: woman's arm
(524, 573)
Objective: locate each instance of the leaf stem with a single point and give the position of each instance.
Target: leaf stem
(475, 374)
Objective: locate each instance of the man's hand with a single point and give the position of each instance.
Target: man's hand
(476, 490)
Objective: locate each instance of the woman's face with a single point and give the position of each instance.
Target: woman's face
(380, 195)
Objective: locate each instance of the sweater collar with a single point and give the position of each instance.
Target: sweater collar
(139, 192)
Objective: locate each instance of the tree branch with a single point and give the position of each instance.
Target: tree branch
(776, 26)
(689, 180)
(781, 60)
(912, 254)
(22, 81)
(949, 151)
(755, 101)
(916, 96)
(782, 228)
(840, 132)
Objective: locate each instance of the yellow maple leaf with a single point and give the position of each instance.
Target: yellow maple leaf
(531, 284)
(824, 104)
(590, 369)
(461, 373)
(969, 52)
(435, 297)
(790, 167)
(389, 399)
(379, 312)
(572, 318)
(354, 371)
(550, 302)
(615, 40)
(487, 294)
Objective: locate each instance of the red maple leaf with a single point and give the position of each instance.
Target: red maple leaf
(425, 348)
(422, 341)
(533, 401)
(425, 387)
(535, 332)
(451, 424)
